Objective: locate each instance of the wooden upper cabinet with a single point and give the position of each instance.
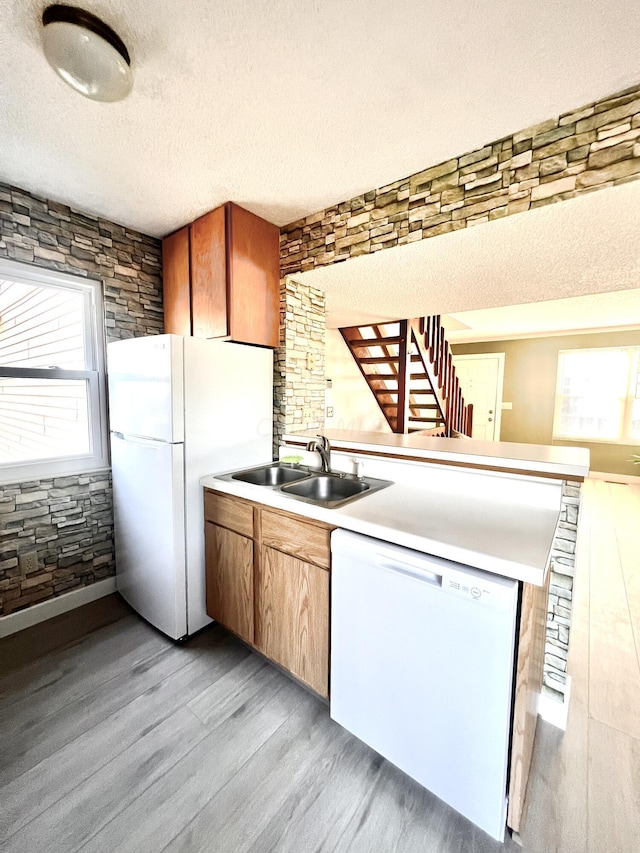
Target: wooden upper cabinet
(222, 278)
(209, 275)
(254, 277)
(176, 283)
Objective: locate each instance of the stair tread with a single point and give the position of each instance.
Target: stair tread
(411, 407)
(428, 363)
(374, 342)
(378, 359)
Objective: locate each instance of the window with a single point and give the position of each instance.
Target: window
(598, 395)
(52, 396)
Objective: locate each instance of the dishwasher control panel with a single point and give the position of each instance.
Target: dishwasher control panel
(475, 585)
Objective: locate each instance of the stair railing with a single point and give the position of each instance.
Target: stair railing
(427, 335)
(432, 345)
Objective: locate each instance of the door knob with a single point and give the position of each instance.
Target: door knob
(489, 419)
(490, 411)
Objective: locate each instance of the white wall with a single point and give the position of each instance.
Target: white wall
(354, 406)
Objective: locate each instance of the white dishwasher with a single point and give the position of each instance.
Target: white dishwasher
(422, 655)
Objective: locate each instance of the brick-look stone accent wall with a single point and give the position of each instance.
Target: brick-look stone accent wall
(563, 559)
(54, 236)
(69, 520)
(593, 147)
(299, 383)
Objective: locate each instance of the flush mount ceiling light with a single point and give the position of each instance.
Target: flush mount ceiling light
(86, 53)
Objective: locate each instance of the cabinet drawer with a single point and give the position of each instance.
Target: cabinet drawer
(310, 542)
(232, 513)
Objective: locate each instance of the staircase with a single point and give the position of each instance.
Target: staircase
(408, 366)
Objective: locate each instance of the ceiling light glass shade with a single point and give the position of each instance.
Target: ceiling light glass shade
(86, 53)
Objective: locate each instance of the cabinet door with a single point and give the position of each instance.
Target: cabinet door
(229, 570)
(254, 278)
(176, 285)
(292, 617)
(209, 275)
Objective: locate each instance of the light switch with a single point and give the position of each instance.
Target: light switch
(506, 406)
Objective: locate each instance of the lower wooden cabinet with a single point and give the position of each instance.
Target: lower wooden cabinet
(229, 566)
(267, 576)
(292, 616)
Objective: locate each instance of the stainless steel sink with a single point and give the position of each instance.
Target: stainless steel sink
(270, 475)
(325, 488)
(308, 484)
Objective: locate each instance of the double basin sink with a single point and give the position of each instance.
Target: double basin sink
(305, 484)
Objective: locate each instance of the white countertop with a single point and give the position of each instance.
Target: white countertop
(570, 462)
(503, 536)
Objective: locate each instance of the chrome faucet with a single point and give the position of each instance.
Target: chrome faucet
(321, 444)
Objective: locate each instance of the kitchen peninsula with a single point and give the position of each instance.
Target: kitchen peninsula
(533, 459)
(491, 506)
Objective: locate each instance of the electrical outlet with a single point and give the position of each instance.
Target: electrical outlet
(329, 411)
(28, 562)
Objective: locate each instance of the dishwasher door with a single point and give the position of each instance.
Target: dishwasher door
(422, 653)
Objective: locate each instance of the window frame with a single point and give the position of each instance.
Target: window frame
(624, 426)
(94, 375)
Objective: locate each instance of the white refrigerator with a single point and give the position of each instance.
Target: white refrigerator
(179, 408)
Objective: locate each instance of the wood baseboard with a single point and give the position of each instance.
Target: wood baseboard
(55, 606)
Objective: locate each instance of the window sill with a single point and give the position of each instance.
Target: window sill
(28, 474)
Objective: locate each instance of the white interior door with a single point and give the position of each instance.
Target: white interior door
(481, 377)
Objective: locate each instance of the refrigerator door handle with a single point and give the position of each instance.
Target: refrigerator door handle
(143, 442)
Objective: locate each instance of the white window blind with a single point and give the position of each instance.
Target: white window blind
(52, 397)
(598, 395)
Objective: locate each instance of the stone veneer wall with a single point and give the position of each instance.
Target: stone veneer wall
(299, 383)
(69, 520)
(590, 148)
(563, 559)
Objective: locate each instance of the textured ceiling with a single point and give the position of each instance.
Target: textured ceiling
(616, 310)
(587, 245)
(287, 107)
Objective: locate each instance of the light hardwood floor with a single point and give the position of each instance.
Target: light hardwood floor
(584, 794)
(118, 740)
